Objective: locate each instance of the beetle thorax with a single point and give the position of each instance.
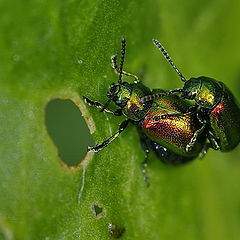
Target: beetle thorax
(205, 98)
(209, 93)
(130, 96)
(134, 107)
(204, 90)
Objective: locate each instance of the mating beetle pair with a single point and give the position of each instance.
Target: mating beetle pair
(177, 130)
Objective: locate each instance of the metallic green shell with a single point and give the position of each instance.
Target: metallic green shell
(207, 91)
(225, 121)
(175, 132)
(134, 109)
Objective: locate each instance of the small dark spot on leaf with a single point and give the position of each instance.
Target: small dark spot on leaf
(68, 130)
(98, 211)
(115, 231)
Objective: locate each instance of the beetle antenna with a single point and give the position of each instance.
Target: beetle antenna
(159, 95)
(122, 60)
(165, 54)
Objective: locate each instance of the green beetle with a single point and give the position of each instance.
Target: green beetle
(161, 122)
(215, 106)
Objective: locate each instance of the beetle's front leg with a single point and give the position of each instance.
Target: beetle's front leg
(202, 116)
(202, 120)
(213, 142)
(204, 150)
(194, 138)
(102, 145)
(118, 112)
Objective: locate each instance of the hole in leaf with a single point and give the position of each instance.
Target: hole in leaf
(98, 211)
(68, 130)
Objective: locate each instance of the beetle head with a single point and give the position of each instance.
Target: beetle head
(120, 93)
(191, 88)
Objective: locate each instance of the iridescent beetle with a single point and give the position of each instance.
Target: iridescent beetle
(161, 122)
(215, 106)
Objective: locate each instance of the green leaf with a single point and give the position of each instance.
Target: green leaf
(61, 50)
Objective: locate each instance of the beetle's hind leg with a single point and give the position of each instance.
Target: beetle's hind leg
(145, 147)
(102, 145)
(144, 164)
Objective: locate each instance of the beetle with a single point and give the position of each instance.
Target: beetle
(215, 106)
(162, 123)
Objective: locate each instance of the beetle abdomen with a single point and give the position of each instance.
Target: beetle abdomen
(173, 132)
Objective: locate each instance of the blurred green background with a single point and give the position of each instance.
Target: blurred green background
(61, 50)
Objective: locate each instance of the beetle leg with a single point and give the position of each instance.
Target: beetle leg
(204, 150)
(194, 138)
(213, 143)
(145, 146)
(118, 112)
(100, 146)
(198, 132)
(117, 70)
(144, 165)
(212, 140)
